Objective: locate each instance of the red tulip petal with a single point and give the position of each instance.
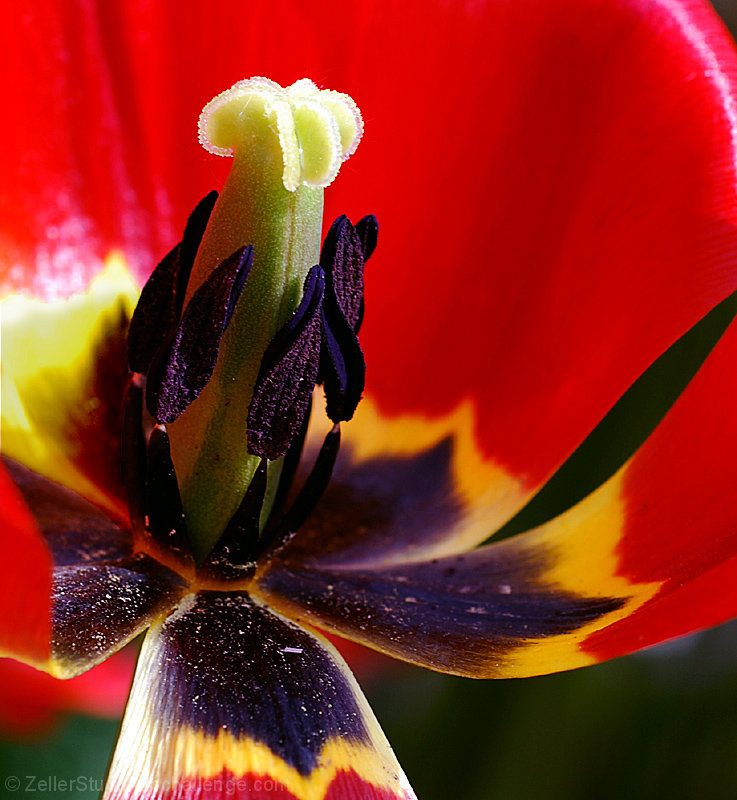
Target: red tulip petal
(31, 700)
(103, 690)
(103, 594)
(234, 701)
(63, 377)
(25, 587)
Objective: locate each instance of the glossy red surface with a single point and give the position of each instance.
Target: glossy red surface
(25, 579)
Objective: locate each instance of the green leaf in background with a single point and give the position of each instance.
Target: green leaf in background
(658, 724)
(68, 763)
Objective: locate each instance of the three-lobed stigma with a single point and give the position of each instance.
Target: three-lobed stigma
(318, 129)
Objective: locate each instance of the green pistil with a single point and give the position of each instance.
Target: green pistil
(266, 202)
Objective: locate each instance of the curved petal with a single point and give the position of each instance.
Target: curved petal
(25, 622)
(466, 614)
(102, 593)
(650, 555)
(63, 377)
(662, 532)
(236, 702)
(581, 175)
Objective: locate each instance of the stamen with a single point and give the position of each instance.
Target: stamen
(151, 487)
(162, 298)
(233, 557)
(287, 377)
(290, 465)
(306, 500)
(368, 232)
(163, 504)
(192, 238)
(342, 259)
(156, 315)
(342, 366)
(177, 379)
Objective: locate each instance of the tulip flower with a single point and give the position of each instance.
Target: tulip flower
(556, 190)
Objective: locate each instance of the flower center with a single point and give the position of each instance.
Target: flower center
(236, 326)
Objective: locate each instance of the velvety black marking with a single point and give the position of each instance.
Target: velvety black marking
(342, 259)
(98, 608)
(461, 614)
(383, 507)
(232, 557)
(164, 514)
(229, 665)
(176, 379)
(162, 298)
(286, 380)
(92, 429)
(309, 495)
(75, 531)
(367, 229)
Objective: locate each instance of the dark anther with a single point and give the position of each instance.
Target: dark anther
(367, 229)
(194, 230)
(306, 500)
(164, 515)
(160, 304)
(154, 503)
(182, 371)
(232, 558)
(287, 377)
(156, 314)
(342, 259)
(290, 465)
(342, 367)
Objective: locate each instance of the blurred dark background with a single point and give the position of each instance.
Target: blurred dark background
(657, 724)
(728, 12)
